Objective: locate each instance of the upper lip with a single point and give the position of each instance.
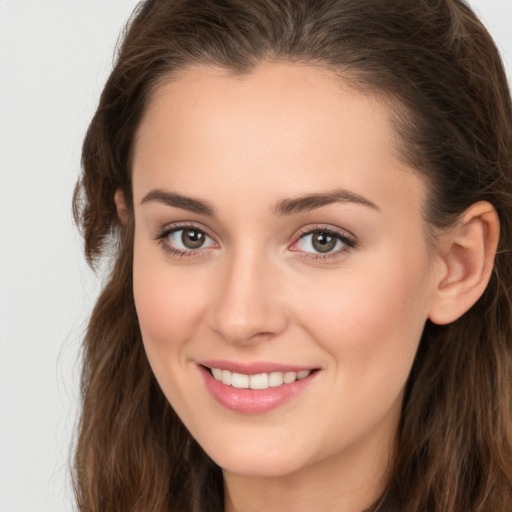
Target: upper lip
(254, 368)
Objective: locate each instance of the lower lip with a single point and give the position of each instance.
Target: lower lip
(253, 401)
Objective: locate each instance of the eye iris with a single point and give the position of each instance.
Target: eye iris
(323, 242)
(192, 238)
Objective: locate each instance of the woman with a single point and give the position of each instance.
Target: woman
(310, 304)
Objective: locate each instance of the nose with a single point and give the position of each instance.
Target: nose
(248, 306)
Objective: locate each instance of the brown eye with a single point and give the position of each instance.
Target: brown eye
(192, 238)
(323, 242)
(186, 240)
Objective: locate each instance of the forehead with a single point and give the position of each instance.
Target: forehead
(274, 94)
(297, 127)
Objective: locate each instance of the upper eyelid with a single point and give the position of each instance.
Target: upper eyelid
(177, 226)
(306, 230)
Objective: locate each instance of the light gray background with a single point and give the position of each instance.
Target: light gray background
(54, 58)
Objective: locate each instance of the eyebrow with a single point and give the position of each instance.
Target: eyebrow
(283, 207)
(179, 201)
(313, 201)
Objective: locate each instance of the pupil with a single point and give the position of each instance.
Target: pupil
(192, 238)
(323, 242)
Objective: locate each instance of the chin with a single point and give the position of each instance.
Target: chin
(254, 460)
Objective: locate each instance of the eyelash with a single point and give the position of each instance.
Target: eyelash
(167, 231)
(349, 242)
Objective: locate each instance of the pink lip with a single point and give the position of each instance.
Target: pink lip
(253, 368)
(253, 401)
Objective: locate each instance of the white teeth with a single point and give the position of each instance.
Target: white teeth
(258, 381)
(289, 377)
(275, 379)
(239, 380)
(217, 373)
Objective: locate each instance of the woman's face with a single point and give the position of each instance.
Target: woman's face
(280, 245)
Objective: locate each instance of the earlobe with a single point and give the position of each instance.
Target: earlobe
(122, 210)
(467, 258)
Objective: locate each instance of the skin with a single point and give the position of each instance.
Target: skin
(255, 292)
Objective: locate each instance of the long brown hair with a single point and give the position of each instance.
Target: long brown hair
(441, 71)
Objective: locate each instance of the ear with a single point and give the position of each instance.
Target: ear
(466, 259)
(122, 210)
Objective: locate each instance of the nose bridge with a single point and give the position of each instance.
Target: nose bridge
(247, 306)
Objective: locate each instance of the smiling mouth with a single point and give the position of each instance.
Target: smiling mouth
(259, 380)
(248, 389)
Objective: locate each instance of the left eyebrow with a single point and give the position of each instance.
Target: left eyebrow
(313, 201)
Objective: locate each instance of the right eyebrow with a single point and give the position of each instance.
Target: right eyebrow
(178, 201)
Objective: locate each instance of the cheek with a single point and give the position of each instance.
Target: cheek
(168, 309)
(167, 302)
(370, 322)
(370, 319)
